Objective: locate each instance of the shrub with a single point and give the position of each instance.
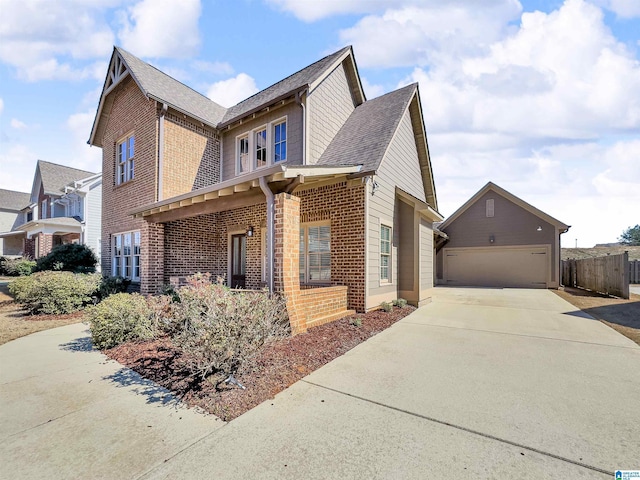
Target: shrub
(113, 285)
(220, 329)
(356, 322)
(121, 317)
(18, 267)
(386, 306)
(400, 302)
(69, 257)
(55, 292)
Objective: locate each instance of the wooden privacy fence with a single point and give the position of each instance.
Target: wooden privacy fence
(608, 275)
(634, 271)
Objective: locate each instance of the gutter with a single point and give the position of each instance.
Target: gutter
(270, 230)
(299, 101)
(163, 111)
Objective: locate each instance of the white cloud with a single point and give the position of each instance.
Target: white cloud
(315, 10)
(81, 155)
(17, 124)
(161, 28)
(213, 68)
(372, 90)
(622, 8)
(18, 164)
(233, 90)
(41, 39)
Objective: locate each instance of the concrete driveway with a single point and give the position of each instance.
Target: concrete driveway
(482, 383)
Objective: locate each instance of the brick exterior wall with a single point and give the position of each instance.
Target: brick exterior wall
(342, 204)
(131, 113)
(191, 158)
(29, 248)
(45, 244)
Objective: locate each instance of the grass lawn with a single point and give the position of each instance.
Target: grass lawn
(15, 323)
(621, 315)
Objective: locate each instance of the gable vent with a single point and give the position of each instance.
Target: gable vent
(490, 207)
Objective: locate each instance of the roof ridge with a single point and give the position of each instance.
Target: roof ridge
(119, 49)
(66, 166)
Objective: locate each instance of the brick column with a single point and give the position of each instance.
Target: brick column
(287, 257)
(45, 244)
(152, 258)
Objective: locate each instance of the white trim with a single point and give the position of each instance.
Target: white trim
(113, 236)
(384, 282)
(129, 174)
(251, 136)
(231, 233)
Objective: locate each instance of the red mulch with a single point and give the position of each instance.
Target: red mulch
(276, 367)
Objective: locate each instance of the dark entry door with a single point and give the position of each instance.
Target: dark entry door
(238, 260)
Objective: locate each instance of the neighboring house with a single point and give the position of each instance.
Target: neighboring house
(498, 240)
(64, 207)
(304, 187)
(11, 205)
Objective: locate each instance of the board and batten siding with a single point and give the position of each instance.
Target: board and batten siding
(93, 219)
(292, 111)
(511, 225)
(329, 105)
(399, 168)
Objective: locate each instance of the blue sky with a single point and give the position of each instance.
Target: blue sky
(541, 97)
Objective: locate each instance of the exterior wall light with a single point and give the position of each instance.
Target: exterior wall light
(250, 231)
(492, 239)
(539, 229)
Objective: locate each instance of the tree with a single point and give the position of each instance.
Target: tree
(631, 236)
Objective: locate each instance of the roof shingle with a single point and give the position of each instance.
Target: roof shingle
(55, 177)
(12, 200)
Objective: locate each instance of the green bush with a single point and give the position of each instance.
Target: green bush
(120, 318)
(400, 302)
(220, 329)
(55, 292)
(69, 257)
(17, 267)
(113, 285)
(386, 306)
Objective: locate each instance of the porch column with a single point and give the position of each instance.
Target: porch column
(287, 257)
(152, 258)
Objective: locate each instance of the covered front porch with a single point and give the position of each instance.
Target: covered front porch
(38, 237)
(257, 236)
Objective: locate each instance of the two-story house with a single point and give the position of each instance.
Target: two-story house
(305, 187)
(64, 207)
(11, 205)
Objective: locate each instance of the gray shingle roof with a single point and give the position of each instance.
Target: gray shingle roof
(290, 84)
(169, 90)
(364, 137)
(12, 200)
(55, 177)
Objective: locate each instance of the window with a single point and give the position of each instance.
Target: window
(126, 255)
(261, 148)
(125, 152)
(243, 154)
(490, 210)
(280, 142)
(315, 253)
(43, 213)
(385, 253)
(29, 216)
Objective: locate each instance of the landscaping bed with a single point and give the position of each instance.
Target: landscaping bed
(278, 364)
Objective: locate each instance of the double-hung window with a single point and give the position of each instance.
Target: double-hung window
(43, 213)
(261, 147)
(126, 162)
(125, 255)
(315, 253)
(385, 253)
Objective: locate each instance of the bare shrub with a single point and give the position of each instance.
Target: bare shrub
(220, 329)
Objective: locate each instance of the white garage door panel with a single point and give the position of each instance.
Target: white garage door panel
(497, 267)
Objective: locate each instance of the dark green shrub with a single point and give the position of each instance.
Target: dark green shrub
(113, 285)
(69, 257)
(18, 267)
(220, 329)
(120, 318)
(55, 292)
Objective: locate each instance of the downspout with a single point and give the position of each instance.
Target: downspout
(163, 111)
(270, 230)
(304, 123)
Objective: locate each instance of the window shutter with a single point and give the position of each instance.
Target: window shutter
(490, 211)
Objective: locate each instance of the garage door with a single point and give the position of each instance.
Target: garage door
(527, 267)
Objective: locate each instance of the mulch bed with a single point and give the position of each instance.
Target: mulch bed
(276, 367)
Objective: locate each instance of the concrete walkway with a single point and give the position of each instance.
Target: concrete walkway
(482, 383)
(634, 289)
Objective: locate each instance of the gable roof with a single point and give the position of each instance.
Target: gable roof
(12, 200)
(55, 177)
(490, 186)
(157, 85)
(293, 83)
(367, 133)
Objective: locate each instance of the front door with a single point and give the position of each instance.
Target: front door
(238, 260)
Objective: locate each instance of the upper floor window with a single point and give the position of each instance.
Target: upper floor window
(280, 142)
(262, 147)
(125, 152)
(43, 210)
(29, 215)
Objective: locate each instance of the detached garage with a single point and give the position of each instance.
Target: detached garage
(498, 240)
